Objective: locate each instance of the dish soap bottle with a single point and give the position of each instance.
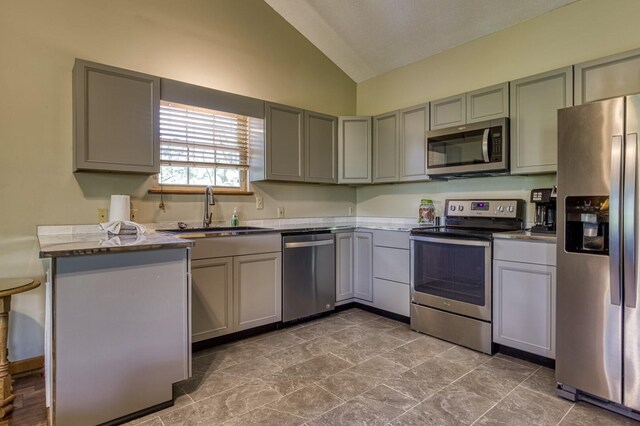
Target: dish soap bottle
(235, 221)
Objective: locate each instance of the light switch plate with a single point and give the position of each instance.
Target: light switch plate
(259, 203)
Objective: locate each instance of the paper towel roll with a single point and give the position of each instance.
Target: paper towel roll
(120, 208)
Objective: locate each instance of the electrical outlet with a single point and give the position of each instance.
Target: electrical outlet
(132, 215)
(280, 212)
(350, 210)
(103, 215)
(259, 203)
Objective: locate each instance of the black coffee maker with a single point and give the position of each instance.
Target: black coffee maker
(545, 217)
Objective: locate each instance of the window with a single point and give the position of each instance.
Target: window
(200, 146)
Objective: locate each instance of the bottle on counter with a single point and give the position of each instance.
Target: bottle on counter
(426, 212)
(235, 220)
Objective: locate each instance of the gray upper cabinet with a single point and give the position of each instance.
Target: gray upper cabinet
(535, 102)
(471, 107)
(321, 147)
(414, 122)
(354, 149)
(607, 77)
(284, 137)
(115, 114)
(488, 103)
(386, 133)
(448, 112)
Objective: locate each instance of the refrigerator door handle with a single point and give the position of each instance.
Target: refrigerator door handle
(614, 221)
(630, 217)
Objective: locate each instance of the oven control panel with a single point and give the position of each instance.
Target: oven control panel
(483, 208)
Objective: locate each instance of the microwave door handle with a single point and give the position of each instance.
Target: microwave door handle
(630, 216)
(485, 145)
(614, 221)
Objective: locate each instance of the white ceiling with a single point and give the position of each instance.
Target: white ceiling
(366, 38)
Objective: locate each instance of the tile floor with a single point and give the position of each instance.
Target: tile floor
(355, 367)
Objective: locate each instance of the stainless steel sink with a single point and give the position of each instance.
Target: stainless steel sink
(215, 230)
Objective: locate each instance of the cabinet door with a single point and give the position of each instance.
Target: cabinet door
(535, 102)
(257, 290)
(344, 266)
(448, 112)
(362, 266)
(488, 103)
(212, 298)
(321, 147)
(284, 138)
(414, 123)
(385, 147)
(608, 77)
(116, 114)
(524, 311)
(354, 150)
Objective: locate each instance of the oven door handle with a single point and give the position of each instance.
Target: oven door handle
(453, 241)
(485, 145)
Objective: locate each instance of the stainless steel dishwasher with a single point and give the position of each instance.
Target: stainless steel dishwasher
(308, 275)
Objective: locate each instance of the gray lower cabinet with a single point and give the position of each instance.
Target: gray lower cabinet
(344, 266)
(321, 147)
(386, 134)
(607, 77)
(354, 149)
(211, 298)
(284, 139)
(414, 123)
(237, 284)
(362, 266)
(391, 271)
(115, 119)
(483, 104)
(524, 296)
(535, 102)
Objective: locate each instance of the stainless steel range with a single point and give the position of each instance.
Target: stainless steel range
(451, 270)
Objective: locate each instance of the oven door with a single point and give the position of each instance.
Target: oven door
(452, 275)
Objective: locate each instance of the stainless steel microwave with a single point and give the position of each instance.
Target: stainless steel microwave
(473, 149)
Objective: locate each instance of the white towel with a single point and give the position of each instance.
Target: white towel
(123, 227)
(126, 240)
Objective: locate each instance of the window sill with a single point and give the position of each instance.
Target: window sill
(199, 190)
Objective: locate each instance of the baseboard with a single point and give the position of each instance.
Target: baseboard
(25, 365)
(526, 356)
(381, 312)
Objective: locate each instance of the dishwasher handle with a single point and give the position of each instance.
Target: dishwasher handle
(308, 244)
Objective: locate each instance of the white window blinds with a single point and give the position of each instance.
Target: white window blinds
(198, 137)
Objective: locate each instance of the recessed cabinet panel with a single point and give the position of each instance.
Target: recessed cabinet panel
(362, 274)
(115, 119)
(414, 123)
(257, 285)
(211, 298)
(608, 77)
(488, 103)
(344, 266)
(534, 120)
(354, 150)
(448, 112)
(321, 137)
(385, 148)
(285, 142)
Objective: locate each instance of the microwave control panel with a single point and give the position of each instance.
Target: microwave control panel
(484, 208)
(496, 144)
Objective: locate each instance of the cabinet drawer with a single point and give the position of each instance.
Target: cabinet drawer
(391, 264)
(538, 252)
(395, 239)
(234, 246)
(391, 296)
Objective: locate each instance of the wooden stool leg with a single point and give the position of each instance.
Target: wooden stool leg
(6, 388)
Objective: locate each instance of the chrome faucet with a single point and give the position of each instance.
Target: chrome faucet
(208, 201)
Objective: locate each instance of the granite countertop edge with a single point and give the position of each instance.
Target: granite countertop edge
(524, 235)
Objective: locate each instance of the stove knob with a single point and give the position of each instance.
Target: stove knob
(500, 208)
(461, 208)
(452, 208)
(510, 209)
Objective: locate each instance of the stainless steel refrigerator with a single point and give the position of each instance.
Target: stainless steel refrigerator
(598, 315)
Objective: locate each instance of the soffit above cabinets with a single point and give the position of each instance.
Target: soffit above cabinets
(366, 38)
